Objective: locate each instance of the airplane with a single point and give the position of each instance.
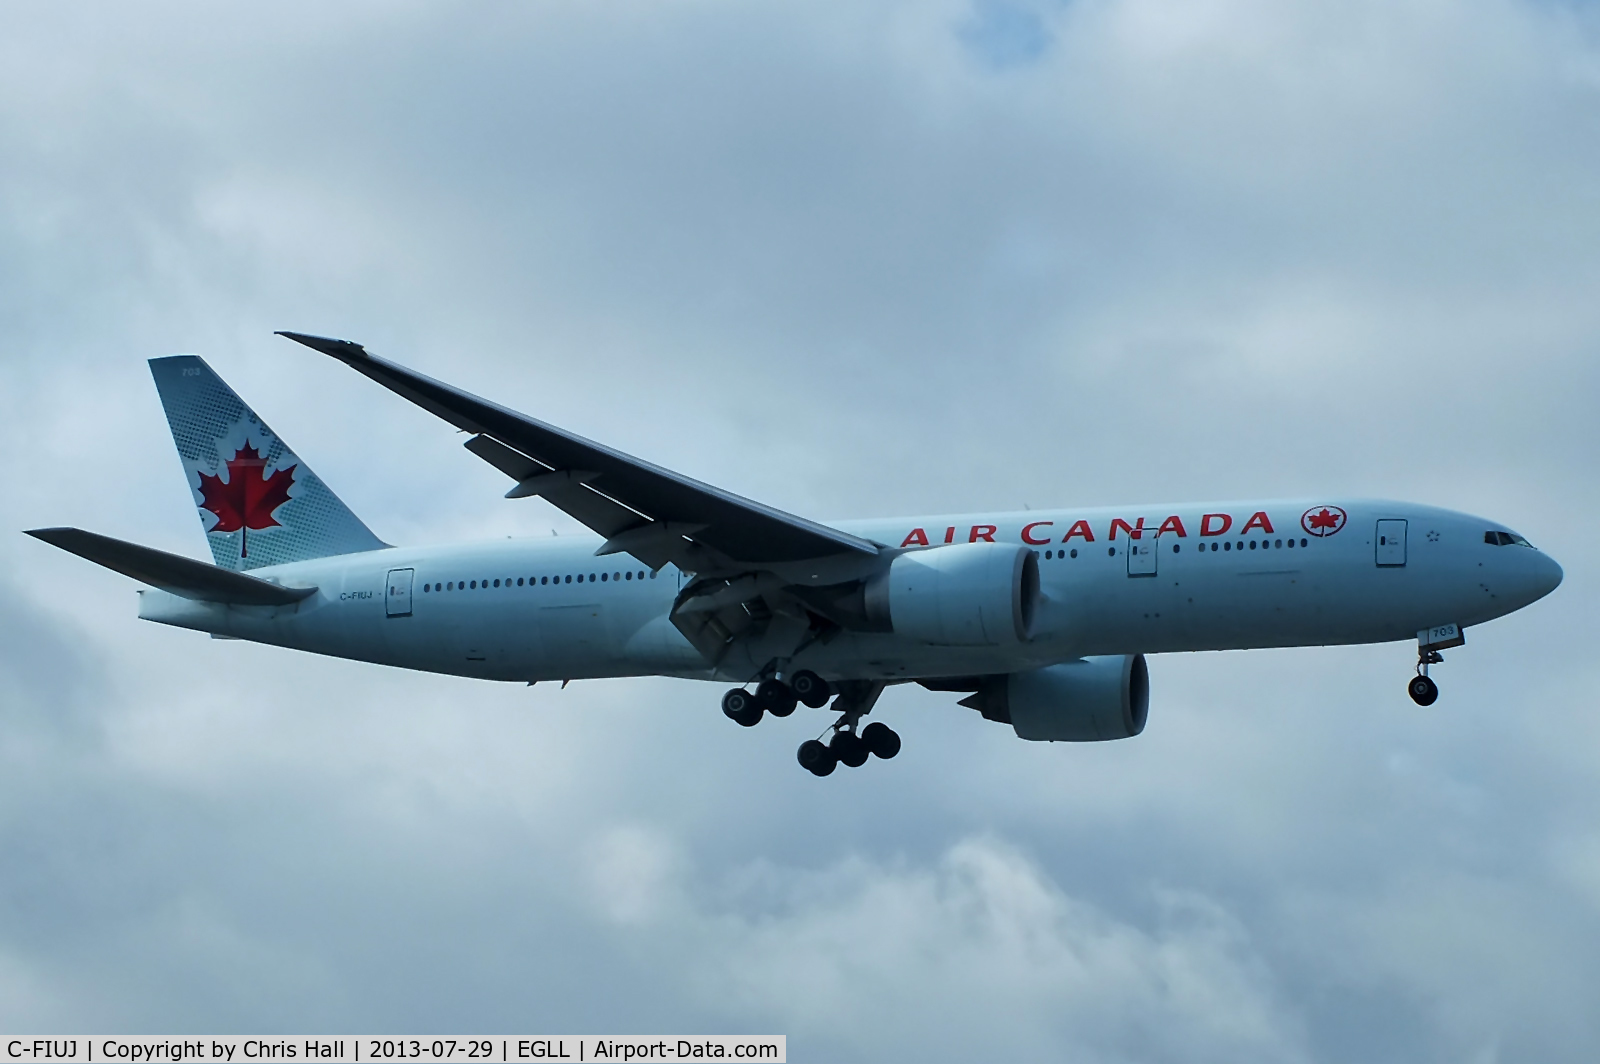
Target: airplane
(1043, 619)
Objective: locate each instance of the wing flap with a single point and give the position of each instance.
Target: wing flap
(171, 572)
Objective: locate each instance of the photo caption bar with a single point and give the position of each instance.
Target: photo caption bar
(497, 1049)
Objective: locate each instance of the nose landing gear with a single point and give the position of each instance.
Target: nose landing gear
(1422, 689)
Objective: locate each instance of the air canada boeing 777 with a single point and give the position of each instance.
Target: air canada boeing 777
(1042, 619)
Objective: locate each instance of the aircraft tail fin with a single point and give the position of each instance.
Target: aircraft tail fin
(259, 504)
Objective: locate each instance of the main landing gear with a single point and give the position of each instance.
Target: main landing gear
(850, 744)
(776, 697)
(848, 748)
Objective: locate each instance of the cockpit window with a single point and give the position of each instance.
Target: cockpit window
(1505, 539)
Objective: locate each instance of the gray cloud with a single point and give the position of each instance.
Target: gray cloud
(859, 259)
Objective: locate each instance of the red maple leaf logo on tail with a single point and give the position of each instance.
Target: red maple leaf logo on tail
(248, 497)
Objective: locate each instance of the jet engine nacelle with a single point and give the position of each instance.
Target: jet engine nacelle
(1083, 701)
(966, 594)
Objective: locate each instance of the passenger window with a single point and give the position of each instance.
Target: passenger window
(1302, 541)
(1175, 547)
(1277, 543)
(1227, 546)
(1074, 552)
(569, 579)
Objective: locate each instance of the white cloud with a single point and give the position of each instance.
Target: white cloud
(981, 953)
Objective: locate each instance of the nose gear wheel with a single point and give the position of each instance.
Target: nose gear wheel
(1422, 689)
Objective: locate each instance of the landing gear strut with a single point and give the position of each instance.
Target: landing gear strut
(850, 744)
(1423, 691)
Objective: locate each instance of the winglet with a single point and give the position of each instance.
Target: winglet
(343, 350)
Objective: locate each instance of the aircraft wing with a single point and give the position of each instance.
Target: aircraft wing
(172, 572)
(642, 509)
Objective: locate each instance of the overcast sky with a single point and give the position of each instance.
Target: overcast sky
(853, 259)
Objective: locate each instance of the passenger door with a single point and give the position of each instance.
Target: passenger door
(1390, 542)
(1142, 555)
(397, 595)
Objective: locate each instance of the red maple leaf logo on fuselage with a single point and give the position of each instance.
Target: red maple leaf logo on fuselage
(1323, 520)
(248, 497)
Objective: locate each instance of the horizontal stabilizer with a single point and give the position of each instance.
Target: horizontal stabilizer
(171, 572)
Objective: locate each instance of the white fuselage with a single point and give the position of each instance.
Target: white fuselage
(1198, 577)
